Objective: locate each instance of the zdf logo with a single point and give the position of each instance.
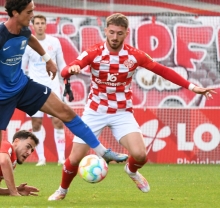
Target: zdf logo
(112, 77)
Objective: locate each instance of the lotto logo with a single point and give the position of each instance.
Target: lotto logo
(154, 137)
(198, 141)
(157, 138)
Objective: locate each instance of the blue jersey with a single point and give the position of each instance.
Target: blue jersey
(12, 47)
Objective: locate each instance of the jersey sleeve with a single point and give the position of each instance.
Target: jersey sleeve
(167, 73)
(5, 147)
(170, 75)
(84, 59)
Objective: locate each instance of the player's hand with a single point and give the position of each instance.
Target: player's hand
(68, 90)
(207, 92)
(51, 68)
(75, 69)
(26, 190)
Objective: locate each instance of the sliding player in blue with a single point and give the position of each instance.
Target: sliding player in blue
(18, 91)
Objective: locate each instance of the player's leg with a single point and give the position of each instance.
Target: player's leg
(55, 107)
(59, 138)
(7, 108)
(70, 169)
(126, 130)
(79, 150)
(36, 121)
(133, 142)
(35, 96)
(97, 123)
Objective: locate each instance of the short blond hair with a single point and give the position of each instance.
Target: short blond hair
(117, 19)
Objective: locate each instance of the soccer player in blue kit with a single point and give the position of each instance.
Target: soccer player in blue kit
(18, 91)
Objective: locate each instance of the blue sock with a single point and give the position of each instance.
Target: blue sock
(80, 129)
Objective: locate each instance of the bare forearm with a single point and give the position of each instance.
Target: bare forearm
(7, 172)
(4, 191)
(33, 43)
(9, 180)
(21, 188)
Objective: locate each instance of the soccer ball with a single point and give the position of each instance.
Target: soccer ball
(93, 169)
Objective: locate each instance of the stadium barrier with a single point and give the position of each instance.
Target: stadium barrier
(179, 136)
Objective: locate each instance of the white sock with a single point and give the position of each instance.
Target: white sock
(40, 146)
(100, 150)
(128, 171)
(64, 191)
(59, 137)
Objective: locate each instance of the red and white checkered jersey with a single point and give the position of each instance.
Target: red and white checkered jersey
(112, 75)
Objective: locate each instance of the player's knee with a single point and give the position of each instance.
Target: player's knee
(36, 126)
(59, 125)
(75, 159)
(140, 156)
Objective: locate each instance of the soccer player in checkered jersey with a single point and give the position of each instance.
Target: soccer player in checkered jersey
(34, 65)
(109, 103)
(19, 91)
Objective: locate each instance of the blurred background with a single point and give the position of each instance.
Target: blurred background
(178, 126)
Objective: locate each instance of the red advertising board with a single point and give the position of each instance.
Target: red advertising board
(178, 136)
(181, 135)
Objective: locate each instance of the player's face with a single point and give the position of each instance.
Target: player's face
(115, 36)
(39, 26)
(26, 15)
(23, 149)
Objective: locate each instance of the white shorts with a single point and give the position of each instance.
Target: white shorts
(40, 114)
(121, 123)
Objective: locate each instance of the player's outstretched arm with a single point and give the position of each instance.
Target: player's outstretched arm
(4, 191)
(174, 77)
(7, 172)
(23, 190)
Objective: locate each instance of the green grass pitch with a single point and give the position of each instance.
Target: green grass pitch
(172, 186)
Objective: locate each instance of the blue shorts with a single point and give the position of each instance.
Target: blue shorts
(30, 99)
